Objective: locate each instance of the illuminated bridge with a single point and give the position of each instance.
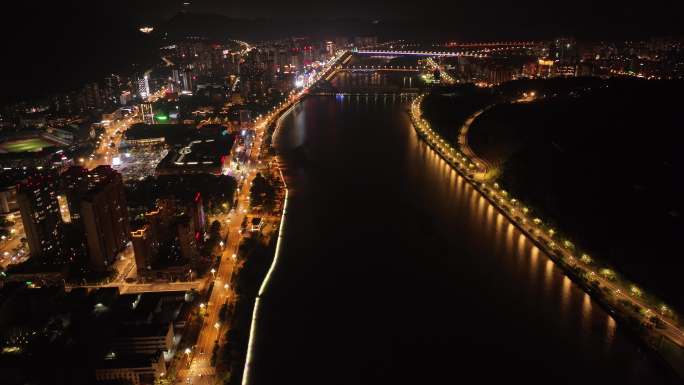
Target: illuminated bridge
(383, 68)
(495, 44)
(353, 85)
(418, 53)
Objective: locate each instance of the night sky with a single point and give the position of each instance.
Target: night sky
(60, 44)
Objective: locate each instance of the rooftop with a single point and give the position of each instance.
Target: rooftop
(115, 361)
(172, 133)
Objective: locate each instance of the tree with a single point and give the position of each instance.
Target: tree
(214, 353)
(215, 229)
(262, 192)
(223, 313)
(657, 322)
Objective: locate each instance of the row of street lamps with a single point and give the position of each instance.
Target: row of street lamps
(261, 122)
(519, 212)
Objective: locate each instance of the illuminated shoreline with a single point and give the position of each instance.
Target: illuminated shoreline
(535, 231)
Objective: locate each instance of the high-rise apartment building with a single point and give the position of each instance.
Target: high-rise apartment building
(105, 216)
(188, 80)
(57, 211)
(92, 96)
(37, 200)
(144, 86)
(145, 246)
(172, 231)
(564, 51)
(96, 205)
(196, 214)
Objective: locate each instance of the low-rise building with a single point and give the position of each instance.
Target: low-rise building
(143, 339)
(206, 156)
(136, 369)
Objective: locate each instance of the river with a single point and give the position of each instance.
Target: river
(393, 269)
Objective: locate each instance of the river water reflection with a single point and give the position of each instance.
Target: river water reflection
(394, 269)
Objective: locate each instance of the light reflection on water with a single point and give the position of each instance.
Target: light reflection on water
(503, 238)
(566, 296)
(498, 232)
(509, 238)
(574, 307)
(508, 284)
(521, 244)
(611, 327)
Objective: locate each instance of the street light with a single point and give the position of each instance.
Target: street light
(213, 273)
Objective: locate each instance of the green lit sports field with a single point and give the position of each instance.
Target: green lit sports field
(25, 145)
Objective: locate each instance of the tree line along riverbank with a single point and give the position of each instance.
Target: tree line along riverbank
(635, 314)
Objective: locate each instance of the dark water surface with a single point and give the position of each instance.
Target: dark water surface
(394, 270)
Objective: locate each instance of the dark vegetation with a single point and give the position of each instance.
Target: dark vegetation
(601, 160)
(262, 192)
(447, 108)
(256, 257)
(212, 242)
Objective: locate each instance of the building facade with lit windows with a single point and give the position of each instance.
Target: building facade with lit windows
(105, 217)
(143, 86)
(37, 201)
(95, 204)
(167, 243)
(145, 246)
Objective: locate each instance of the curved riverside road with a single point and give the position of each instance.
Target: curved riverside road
(621, 291)
(394, 269)
(482, 164)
